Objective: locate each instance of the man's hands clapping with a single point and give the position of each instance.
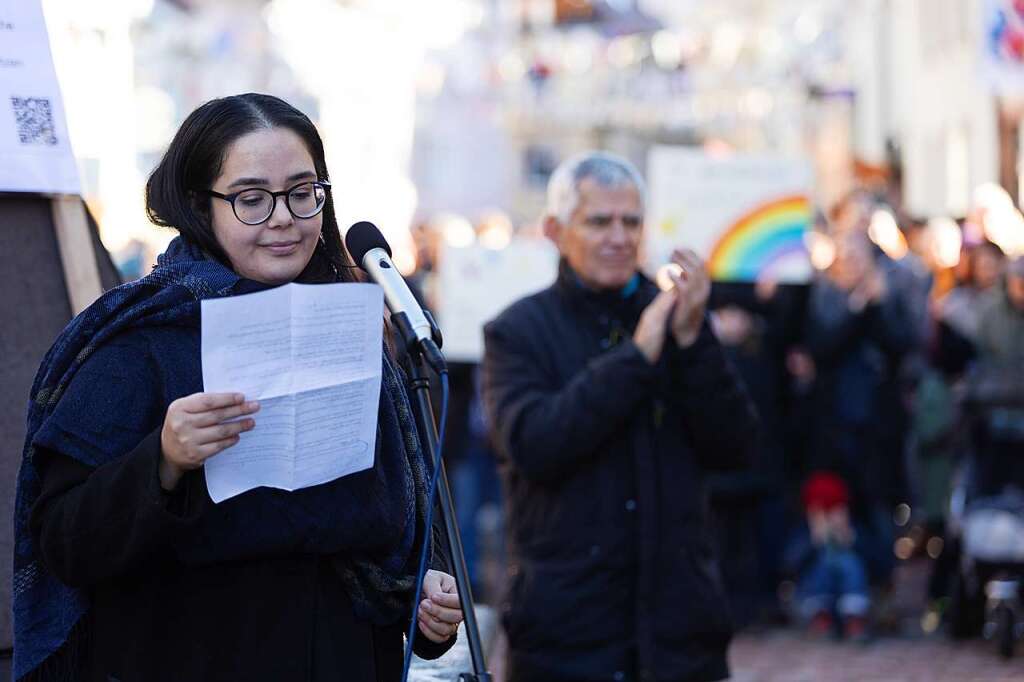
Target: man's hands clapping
(679, 309)
(694, 287)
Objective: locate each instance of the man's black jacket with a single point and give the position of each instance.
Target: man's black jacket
(612, 573)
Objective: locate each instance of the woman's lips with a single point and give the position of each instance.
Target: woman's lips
(281, 248)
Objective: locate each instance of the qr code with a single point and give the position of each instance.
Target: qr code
(34, 119)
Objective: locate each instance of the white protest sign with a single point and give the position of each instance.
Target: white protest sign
(35, 154)
(476, 283)
(747, 216)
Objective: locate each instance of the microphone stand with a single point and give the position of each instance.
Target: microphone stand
(419, 387)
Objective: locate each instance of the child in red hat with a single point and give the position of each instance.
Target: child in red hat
(835, 582)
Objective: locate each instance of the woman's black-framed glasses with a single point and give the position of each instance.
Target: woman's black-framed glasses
(255, 205)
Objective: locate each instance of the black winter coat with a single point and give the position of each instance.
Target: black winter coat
(281, 616)
(612, 573)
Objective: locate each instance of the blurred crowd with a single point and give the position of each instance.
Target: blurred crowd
(890, 388)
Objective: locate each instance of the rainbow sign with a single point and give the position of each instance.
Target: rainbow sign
(766, 242)
(745, 214)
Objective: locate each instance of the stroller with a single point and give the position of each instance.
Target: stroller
(987, 511)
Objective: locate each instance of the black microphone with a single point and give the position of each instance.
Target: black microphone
(371, 252)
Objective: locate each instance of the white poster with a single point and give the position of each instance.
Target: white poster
(747, 216)
(476, 283)
(35, 154)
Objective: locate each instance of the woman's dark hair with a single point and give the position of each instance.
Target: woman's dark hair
(193, 162)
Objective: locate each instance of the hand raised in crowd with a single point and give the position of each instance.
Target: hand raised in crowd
(732, 325)
(831, 526)
(872, 289)
(694, 287)
(817, 524)
(196, 428)
(801, 366)
(853, 262)
(878, 285)
(765, 288)
(649, 336)
(439, 614)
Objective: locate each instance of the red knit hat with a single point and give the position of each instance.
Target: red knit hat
(825, 490)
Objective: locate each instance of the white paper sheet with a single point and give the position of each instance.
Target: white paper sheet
(311, 354)
(35, 153)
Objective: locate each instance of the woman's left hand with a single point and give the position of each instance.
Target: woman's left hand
(439, 614)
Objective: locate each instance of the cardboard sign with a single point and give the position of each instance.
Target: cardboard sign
(476, 283)
(747, 216)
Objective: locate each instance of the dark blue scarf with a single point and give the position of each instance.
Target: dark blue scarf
(46, 611)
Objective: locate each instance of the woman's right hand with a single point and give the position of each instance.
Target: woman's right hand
(196, 428)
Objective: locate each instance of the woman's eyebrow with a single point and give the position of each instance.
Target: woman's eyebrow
(249, 181)
(263, 181)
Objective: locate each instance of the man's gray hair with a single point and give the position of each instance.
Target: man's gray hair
(606, 169)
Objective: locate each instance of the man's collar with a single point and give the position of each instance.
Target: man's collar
(568, 278)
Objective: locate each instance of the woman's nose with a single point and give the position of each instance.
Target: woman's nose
(281, 215)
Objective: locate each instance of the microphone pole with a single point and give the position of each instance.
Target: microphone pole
(421, 337)
(420, 359)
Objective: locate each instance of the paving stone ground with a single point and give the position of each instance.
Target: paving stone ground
(901, 652)
(788, 656)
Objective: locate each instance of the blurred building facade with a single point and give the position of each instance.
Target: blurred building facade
(467, 105)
